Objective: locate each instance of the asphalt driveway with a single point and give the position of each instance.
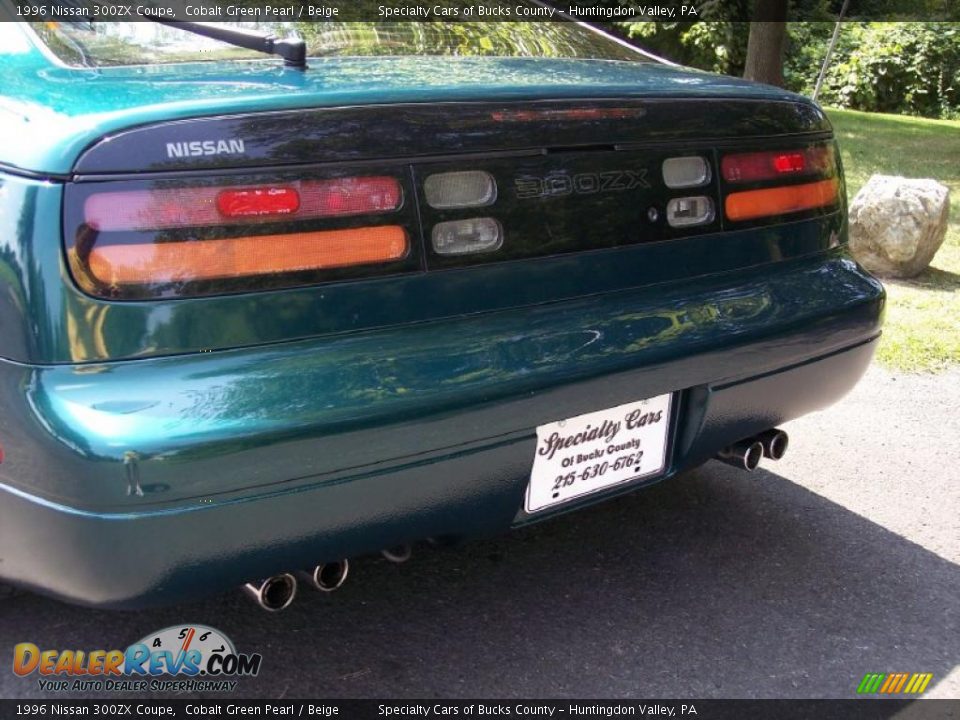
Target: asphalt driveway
(793, 581)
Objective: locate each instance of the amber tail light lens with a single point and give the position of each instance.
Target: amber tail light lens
(752, 204)
(188, 261)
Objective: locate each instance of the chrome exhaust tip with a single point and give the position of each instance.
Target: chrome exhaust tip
(745, 454)
(275, 593)
(775, 442)
(327, 577)
(398, 554)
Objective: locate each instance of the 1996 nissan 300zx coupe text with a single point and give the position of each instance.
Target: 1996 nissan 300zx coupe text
(261, 315)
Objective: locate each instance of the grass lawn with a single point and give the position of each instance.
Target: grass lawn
(922, 331)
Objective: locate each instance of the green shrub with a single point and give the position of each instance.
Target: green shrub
(906, 68)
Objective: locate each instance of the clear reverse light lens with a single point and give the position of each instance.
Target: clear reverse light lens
(689, 211)
(461, 237)
(470, 188)
(684, 172)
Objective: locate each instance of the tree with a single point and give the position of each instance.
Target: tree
(768, 35)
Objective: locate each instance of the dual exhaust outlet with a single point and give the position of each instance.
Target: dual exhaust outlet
(276, 592)
(747, 453)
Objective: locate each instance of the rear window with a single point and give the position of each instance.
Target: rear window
(99, 44)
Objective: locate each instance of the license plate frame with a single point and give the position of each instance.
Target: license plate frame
(599, 450)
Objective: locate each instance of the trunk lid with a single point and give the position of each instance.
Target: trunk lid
(62, 111)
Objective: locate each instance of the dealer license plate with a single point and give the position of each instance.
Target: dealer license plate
(587, 453)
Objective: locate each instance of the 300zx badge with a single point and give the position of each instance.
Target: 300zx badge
(559, 184)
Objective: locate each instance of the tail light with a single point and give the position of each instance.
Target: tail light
(158, 209)
(154, 239)
(240, 257)
(778, 183)
(754, 204)
(170, 237)
(778, 164)
(256, 202)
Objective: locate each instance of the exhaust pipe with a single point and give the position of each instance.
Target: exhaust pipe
(275, 593)
(775, 442)
(327, 577)
(398, 554)
(745, 454)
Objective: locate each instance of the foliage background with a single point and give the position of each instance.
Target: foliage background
(910, 68)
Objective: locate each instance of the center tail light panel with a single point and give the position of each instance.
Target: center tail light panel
(536, 205)
(200, 235)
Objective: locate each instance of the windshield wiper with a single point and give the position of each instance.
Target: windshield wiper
(292, 50)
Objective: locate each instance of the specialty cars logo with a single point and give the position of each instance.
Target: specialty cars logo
(184, 650)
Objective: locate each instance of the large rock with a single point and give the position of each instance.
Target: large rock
(897, 224)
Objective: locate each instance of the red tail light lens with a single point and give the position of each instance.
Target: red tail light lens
(790, 163)
(353, 196)
(163, 208)
(775, 165)
(256, 202)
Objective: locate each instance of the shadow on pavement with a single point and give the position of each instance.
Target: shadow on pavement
(717, 584)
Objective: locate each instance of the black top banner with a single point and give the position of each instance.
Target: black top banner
(491, 709)
(593, 11)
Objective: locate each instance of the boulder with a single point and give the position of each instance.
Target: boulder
(897, 224)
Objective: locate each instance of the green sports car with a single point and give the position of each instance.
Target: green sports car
(261, 314)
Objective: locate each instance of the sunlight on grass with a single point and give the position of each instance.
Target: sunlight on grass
(922, 330)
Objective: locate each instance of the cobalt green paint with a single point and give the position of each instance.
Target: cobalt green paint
(262, 421)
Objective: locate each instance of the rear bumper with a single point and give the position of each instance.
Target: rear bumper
(153, 481)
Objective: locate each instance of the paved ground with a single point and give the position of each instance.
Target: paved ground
(790, 582)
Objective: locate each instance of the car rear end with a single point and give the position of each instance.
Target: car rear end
(243, 343)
